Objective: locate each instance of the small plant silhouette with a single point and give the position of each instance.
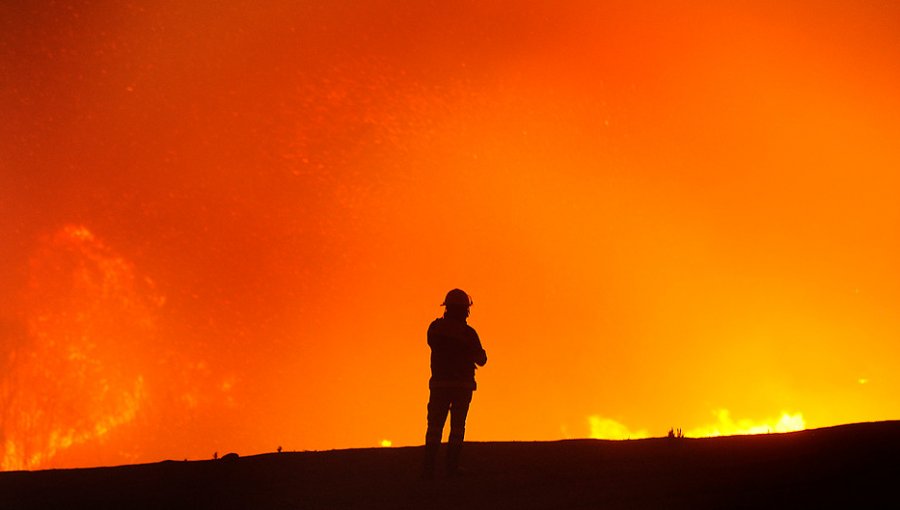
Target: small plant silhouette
(279, 449)
(215, 455)
(675, 433)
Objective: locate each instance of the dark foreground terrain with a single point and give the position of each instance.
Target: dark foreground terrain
(850, 466)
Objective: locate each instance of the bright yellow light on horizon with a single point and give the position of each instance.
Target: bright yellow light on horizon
(604, 428)
(726, 426)
(386, 443)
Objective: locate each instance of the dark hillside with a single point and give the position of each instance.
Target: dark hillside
(850, 466)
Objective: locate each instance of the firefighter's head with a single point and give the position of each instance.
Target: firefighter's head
(457, 302)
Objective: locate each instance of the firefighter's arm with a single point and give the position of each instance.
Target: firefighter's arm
(479, 355)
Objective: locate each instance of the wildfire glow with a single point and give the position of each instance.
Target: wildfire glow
(226, 227)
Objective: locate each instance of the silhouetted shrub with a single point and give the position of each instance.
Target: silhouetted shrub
(675, 433)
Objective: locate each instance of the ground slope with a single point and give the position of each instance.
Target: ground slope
(849, 466)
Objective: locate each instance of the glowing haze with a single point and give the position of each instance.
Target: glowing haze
(226, 228)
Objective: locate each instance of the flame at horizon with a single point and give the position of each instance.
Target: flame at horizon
(605, 428)
(726, 426)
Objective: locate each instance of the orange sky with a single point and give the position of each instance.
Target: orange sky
(227, 229)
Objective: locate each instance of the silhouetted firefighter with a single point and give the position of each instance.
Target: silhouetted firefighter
(455, 350)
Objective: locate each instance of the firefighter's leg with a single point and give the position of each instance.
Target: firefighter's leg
(438, 406)
(459, 409)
